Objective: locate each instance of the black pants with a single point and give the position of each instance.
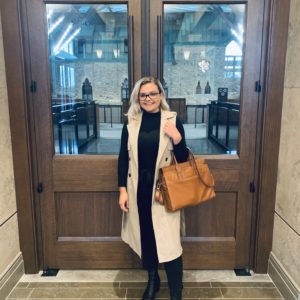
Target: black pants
(148, 243)
(149, 252)
(174, 272)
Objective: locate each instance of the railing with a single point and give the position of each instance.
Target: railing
(110, 113)
(74, 124)
(196, 107)
(223, 123)
(114, 113)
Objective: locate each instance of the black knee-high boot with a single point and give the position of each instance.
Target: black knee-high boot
(152, 286)
(174, 274)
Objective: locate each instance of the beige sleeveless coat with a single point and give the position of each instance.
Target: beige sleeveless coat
(166, 224)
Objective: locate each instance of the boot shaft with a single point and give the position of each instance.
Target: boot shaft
(174, 272)
(153, 285)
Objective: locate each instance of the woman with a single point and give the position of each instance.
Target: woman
(147, 143)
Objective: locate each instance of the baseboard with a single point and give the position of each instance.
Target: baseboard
(11, 277)
(282, 280)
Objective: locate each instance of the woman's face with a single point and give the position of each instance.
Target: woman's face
(150, 97)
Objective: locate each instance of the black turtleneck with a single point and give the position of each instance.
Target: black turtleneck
(148, 143)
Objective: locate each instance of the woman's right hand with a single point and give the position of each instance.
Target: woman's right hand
(123, 199)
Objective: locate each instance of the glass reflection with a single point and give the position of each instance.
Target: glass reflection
(203, 61)
(88, 54)
(203, 67)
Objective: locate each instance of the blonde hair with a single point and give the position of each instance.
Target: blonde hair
(134, 104)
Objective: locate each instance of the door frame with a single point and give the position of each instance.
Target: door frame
(275, 35)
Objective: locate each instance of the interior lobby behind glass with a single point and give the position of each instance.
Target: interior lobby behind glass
(202, 72)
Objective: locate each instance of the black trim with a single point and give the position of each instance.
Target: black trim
(10, 217)
(47, 272)
(276, 213)
(242, 272)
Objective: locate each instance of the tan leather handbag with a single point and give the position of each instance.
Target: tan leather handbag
(184, 184)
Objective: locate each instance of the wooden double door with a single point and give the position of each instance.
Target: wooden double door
(78, 217)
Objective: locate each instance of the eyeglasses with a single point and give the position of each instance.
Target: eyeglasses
(152, 96)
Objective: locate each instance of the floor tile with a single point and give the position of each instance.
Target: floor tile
(21, 293)
(73, 284)
(22, 284)
(130, 284)
(139, 284)
(137, 293)
(242, 284)
(197, 284)
(81, 293)
(141, 276)
(204, 293)
(255, 293)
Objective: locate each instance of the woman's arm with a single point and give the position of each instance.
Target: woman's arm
(180, 150)
(123, 170)
(123, 159)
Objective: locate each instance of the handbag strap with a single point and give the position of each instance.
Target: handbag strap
(193, 163)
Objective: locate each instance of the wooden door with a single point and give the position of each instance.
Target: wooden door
(78, 195)
(80, 221)
(218, 233)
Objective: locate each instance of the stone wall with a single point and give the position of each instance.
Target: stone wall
(9, 236)
(183, 76)
(106, 77)
(286, 238)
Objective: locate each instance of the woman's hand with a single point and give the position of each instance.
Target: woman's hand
(123, 199)
(171, 131)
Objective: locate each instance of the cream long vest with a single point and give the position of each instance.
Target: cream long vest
(166, 224)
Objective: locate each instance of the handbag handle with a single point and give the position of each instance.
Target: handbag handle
(191, 160)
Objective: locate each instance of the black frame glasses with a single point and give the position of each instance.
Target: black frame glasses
(151, 95)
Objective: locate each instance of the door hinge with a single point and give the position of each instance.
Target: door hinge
(251, 187)
(257, 86)
(40, 188)
(33, 86)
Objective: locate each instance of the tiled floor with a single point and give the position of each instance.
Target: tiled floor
(129, 284)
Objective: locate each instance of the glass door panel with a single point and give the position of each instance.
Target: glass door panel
(202, 68)
(88, 56)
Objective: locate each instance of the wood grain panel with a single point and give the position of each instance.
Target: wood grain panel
(199, 253)
(215, 218)
(85, 173)
(100, 255)
(88, 215)
(209, 254)
(80, 173)
(134, 8)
